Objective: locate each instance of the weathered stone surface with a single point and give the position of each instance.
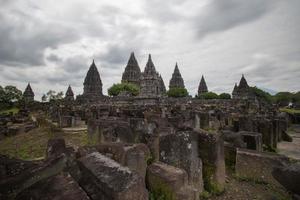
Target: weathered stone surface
(181, 150)
(59, 187)
(211, 151)
(253, 140)
(258, 165)
(55, 147)
(170, 182)
(289, 177)
(104, 178)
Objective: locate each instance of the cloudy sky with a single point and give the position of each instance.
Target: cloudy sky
(52, 43)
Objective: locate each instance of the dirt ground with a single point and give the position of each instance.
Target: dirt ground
(249, 190)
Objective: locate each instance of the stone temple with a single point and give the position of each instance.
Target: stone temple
(242, 91)
(202, 86)
(92, 83)
(28, 94)
(132, 73)
(151, 84)
(176, 80)
(151, 146)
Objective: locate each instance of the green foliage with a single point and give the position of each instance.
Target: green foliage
(51, 95)
(208, 95)
(8, 96)
(116, 89)
(262, 95)
(177, 92)
(283, 98)
(224, 96)
(290, 111)
(204, 195)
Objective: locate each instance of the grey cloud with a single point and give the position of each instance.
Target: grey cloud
(220, 15)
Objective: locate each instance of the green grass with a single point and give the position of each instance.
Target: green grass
(13, 110)
(290, 110)
(33, 145)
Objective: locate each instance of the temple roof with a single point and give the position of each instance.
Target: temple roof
(202, 86)
(132, 72)
(92, 76)
(162, 84)
(28, 91)
(235, 89)
(243, 83)
(150, 68)
(176, 80)
(69, 91)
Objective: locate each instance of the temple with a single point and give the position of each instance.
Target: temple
(202, 86)
(69, 96)
(242, 91)
(176, 80)
(28, 94)
(132, 73)
(151, 82)
(92, 82)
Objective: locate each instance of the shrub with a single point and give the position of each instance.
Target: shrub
(208, 95)
(177, 92)
(224, 96)
(115, 90)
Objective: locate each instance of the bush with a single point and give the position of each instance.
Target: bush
(177, 92)
(262, 95)
(224, 96)
(208, 95)
(132, 89)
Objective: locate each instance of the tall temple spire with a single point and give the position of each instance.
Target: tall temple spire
(69, 94)
(28, 93)
(92, 82)
(243, 83)
(132, 73)
(162, 84)
(150, 68)
(176, 80)
(202, 86)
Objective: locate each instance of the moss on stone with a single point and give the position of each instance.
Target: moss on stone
(160, 190)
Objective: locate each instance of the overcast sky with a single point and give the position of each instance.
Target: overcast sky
(52, 43)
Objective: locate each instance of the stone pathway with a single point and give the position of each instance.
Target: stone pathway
(291, 149)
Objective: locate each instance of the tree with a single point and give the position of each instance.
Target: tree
(262, 95)
(9, 95)
(224, 96)
(208, 95)
(283, 98)
(177, 92)
(130, 88)
(51, 95)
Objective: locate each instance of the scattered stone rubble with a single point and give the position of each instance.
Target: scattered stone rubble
(151, 145)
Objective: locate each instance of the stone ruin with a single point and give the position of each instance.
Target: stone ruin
(151, 145)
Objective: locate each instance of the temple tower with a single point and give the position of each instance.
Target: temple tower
(176, 80)
(132, 73)
(69, 96)
(202, 86)
(28, 94)
(151, 83)
(243, 91)
(92, 82)
(162, 85)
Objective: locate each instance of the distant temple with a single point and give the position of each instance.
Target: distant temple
(242, 91)
(152, 84)
(176, 80)
(202, 86)
(132, 73)
(28, 94)
(92, 83)
(69, 94)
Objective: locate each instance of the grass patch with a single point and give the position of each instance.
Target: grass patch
(33, 145)
(289, 110)
(7, 111)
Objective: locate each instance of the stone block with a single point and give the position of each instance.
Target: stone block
(104, 178)
(181, 150)
(168, 182)
(211, 151)
(253, 140)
